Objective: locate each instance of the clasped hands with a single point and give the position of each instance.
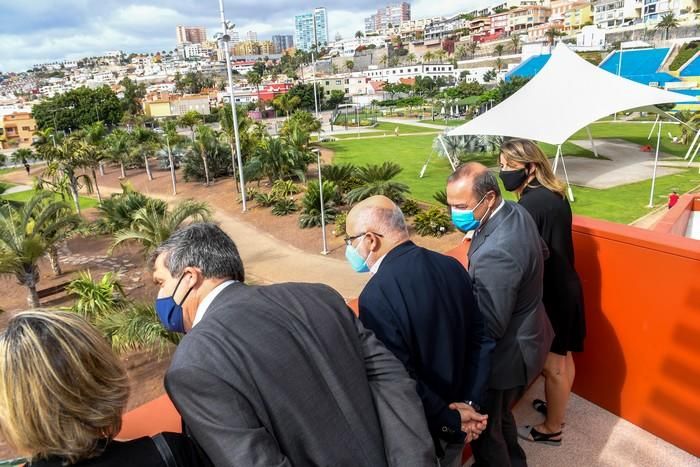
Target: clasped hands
(473, 423)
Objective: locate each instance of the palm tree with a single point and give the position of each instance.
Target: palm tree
(94, 298)
(428, 57)
(411, 58)
(551, 34)
(21, 156)
(515, 42)
(311, 204)
(499, 64)
(144, 143)
(461, 52)
(118, 145)
(95, 135)
(286, 103)
(65, 159)
(359, 35)
(30, 233)
(190, 119)
(273, 159)
(377, 180)
(203, 144)
(349, 65)
(440, 55)
(667, 23)
(93, 156)
(472, 47)
(384, 60)
(152, 226)
(499, 49)
(255, 79)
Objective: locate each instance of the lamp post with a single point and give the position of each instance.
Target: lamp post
(225, 38)
(313, 60)
(172, 163)
(323, 211)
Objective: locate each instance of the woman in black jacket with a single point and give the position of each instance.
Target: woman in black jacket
(526, 171)
(62, 395)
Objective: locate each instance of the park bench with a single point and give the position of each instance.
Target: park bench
(56, 289)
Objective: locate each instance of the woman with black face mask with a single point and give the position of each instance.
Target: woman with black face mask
(526, 171)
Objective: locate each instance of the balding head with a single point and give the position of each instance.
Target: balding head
(477, 178)
(377, 214)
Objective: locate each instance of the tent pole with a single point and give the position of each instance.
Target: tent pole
(566, 176)
(656, 163)
(654, 126)
(695, 153)
(447, 153)
(590, 137)
(692, 145)
(556, 159)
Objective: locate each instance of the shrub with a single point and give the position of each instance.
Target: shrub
(250, 194)
(377, 180)
(285, 188)
(266, 199)
(434, 222)
(340, 221)
(343, 175)
(410, 208)
(284, 207)
(311, 205)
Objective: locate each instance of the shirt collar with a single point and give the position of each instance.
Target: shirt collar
(375, 266)
(204, 304)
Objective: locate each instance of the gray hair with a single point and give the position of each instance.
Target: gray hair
(388, 222)
(482, 182)
(205, 246)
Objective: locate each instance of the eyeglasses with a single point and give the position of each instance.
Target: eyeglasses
(349, 240)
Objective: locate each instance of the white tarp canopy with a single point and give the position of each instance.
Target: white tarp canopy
(566, 95)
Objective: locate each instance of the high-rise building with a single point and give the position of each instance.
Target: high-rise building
(235, 38)
(282, 43)
(251, 36)
(267, 48)
(305, 35)
(191, 34)
(390, 15)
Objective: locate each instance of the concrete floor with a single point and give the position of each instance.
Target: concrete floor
(627, 164)
(595, 437)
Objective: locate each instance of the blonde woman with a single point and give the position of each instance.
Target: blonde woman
(525, 170)
(62, 395)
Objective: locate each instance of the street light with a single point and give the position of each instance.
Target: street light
(323, 211)
(225, 38)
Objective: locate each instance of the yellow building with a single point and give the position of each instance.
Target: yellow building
(17, 130)
(157, 108)
(246, 48)
(580, 15)
(267, 48)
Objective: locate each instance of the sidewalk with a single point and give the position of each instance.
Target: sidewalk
(412, 122)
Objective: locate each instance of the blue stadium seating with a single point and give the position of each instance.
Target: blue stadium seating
(639, 65)
(693, 68)
(529, 67)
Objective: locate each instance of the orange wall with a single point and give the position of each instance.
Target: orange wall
(675, 221)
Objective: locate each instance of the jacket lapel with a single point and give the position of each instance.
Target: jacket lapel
(491, 226)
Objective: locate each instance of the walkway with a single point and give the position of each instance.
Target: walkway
(402, 121)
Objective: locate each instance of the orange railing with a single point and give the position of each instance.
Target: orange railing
(642, 355)
(676, 219)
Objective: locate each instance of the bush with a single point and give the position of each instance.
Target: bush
(266, 199)
(434, 222)
(219, 164)
(410, 208)
(284, 207)
(285, 188)
(340, 221)
(311, 205)
(250, 194)
(343, 175)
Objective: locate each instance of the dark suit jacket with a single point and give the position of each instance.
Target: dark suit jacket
(285, 375)
(506, 263)
(421, 306)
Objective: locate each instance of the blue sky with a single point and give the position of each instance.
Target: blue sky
(37, 31)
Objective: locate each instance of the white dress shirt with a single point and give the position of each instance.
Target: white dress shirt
(204, 304)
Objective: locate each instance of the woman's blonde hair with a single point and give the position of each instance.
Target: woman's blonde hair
(527, 152)
(62, 390)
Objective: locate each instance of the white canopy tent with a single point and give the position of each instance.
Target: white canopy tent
(568, 94)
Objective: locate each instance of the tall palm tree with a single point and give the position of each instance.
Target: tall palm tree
(461, 52)
(499, 64)
(287, 103)
(228, 131)
(190, 119)
(551, 34)
(273, 159)
(384, 60)
(28, 234)
(377, 180)
(472, 47)
(255, 79)
(95, 135)
(205, 141)
(144, 143)
(440, 55)
(93, 156)
(499, 49)
(515, 42)
(65, 160)
(171, 140)
(428, 57)
(411, 58)
(118, 145)
(152, 226)
(667, 23)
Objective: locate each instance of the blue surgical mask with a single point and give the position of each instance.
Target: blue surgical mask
(170, 312)
(464, 219)
(357, 262)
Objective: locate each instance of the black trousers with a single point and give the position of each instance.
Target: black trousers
(498, 444)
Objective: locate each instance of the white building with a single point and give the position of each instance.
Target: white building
(612, 13)
(393, 75)
(347, 47)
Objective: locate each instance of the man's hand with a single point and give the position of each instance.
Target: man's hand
(473, 423)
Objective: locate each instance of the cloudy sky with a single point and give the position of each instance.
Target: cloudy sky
(37, 31)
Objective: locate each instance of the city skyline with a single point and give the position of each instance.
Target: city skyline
(60, 30)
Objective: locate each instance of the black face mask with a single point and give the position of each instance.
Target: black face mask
(513, 179)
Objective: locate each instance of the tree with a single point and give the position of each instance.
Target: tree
(144, 144)
(152, 226)
(133, 93)
(273, 159)
(311, 204)
(93, 156)
(349, 65)
(304, 120)
(668, 22)
(117, 145)
(21, 156)
(377, 180)
(472, 47)
(359, 35)
(428, 57)
(305, 93)
(203, 142)
(337, 97)
(461, 52)
(411, 58)
(384, 60)
(499, 64)
(65, 160)
(440, 55)
(78, 108)
(499, 49)
(228, 130)
(489, 76)
(515, 43)
(190, 119)
(28, 234)
(551, 34)
(255, 79)
(286, 103)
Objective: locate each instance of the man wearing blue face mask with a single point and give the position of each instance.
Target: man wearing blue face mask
(281, 374)
(420, 304)
(506, 265)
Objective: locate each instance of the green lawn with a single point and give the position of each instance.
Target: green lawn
(636, 133)
(23, 196)
(450, 122)
(382, 128)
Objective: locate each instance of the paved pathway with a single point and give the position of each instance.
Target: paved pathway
(402, 121)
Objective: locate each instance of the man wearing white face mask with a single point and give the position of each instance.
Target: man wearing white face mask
(420, 304)
(506, 265)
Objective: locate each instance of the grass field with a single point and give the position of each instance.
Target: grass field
(450, 122)
(23, 196)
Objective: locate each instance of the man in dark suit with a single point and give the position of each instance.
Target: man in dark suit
(506, 266)
(419, 303)
(281, 375)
